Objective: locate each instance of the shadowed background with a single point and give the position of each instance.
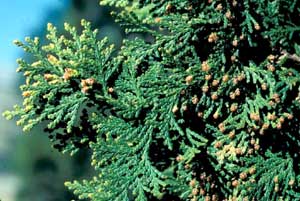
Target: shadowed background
(30, 170)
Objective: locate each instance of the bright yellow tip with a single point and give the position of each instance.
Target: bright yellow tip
(49, 26)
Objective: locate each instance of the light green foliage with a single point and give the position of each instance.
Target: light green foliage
(203, 106)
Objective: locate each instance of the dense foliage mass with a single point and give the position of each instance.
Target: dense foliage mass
(204, 106)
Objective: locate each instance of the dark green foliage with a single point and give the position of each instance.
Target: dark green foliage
(203, 108)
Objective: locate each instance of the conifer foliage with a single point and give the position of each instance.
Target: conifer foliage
(204, 107)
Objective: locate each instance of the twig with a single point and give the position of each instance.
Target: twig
(293, 57)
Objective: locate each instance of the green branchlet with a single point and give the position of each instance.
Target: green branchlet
(202, 107)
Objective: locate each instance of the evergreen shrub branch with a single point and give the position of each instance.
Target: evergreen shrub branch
(203, 106)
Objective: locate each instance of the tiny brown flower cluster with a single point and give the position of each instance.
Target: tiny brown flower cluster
(252, 171)
(280, 121)
(195, 99)
(189, 79)
(231, 134)
(225, 78)
(257, 27)
(264, 86)
(235, 94)
(52, 78)
(235, 43)
(271, 58)
(240, 77)
(234, 3)
(205, 88)
(271, 67)
(87, 84)
(271, 117)
(233, 107)
(218, 144)
(175, 109)
(184, 107)
(298, 97)
(179, 158)
(169, 8)
(292, 182)
(213, 37)
(276, 97)
(264, 127)
(52, 59)
(215, 83)
(243, 176)
(27, 94)
(49, 77)
(255, 147)
(271, 62)
(208, 77)
(216, 115)
(228, 15)
(69, 73)
(221, 127)
(233, 58)
(110, 90)
(219, 7)
(255, 116)
(235, 183)
(157, 20)
(204, 187)
(205, 66)
(289, 116)
(214, 96)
